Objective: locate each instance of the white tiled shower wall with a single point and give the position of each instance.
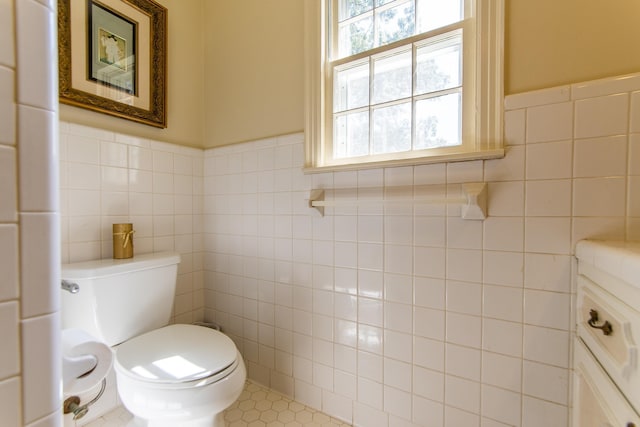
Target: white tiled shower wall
(29, 230)
(415, 317)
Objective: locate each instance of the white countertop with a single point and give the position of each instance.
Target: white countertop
(616, 258)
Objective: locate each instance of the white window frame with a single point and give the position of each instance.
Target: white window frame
(483, 89)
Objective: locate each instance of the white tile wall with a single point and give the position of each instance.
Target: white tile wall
(379, 317)
(414, 317)
(35, 24)
(30, 355)
(108, 178)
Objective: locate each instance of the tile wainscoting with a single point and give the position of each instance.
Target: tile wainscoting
(108, 178)
(412, 317)
(381, 317)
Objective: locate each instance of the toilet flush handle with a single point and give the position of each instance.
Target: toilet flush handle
(72, 287)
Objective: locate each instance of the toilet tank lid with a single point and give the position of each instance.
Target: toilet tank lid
(108, 267)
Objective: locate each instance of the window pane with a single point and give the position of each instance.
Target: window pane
(350, 8)
(392, 129)
(392, 77)
(351, 87)
(438, 66)
(355, 37)
(383, 2)
(351, 135)
(432, 14)
(396, 23)
(438, 122)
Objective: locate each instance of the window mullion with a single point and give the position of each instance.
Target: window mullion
(438, 93)
(371, 77)
(375, 24)
(415, 17)
(353, 110)
(391, 103)
(414, 60)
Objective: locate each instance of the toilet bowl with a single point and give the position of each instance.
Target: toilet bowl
(166, 375)
(179, 375)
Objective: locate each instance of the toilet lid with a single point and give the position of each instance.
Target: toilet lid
(176, 354)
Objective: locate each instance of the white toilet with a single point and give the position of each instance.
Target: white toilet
(176, 375)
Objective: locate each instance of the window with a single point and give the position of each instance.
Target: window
(392, 82)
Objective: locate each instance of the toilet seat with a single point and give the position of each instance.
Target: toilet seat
(177, 356)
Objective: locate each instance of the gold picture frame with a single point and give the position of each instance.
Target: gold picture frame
(113, 58)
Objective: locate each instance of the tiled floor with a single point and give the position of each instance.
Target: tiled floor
(256, 407)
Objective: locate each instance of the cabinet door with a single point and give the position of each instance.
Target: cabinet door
(597, 401)
(615, 349)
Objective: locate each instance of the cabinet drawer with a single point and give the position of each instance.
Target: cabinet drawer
(616, 351)
(596, 400)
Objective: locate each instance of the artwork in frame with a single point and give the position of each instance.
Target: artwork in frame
(112, 57)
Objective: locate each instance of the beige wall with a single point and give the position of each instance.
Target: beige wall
(236, 67)
(185, 76)
(254, 69)
(547, 43)
(554, 42)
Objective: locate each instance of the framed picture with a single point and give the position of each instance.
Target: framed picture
(112, 57)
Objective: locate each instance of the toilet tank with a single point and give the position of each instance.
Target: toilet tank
(120, 298)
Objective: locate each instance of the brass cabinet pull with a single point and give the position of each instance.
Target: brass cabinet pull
(606, 327)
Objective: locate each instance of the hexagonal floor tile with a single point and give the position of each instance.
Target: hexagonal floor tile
(257, 406)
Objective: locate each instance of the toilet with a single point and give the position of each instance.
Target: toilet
(167, 375)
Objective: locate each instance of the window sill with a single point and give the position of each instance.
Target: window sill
(445, 158)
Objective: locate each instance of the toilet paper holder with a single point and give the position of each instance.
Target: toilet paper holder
(72, 404)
